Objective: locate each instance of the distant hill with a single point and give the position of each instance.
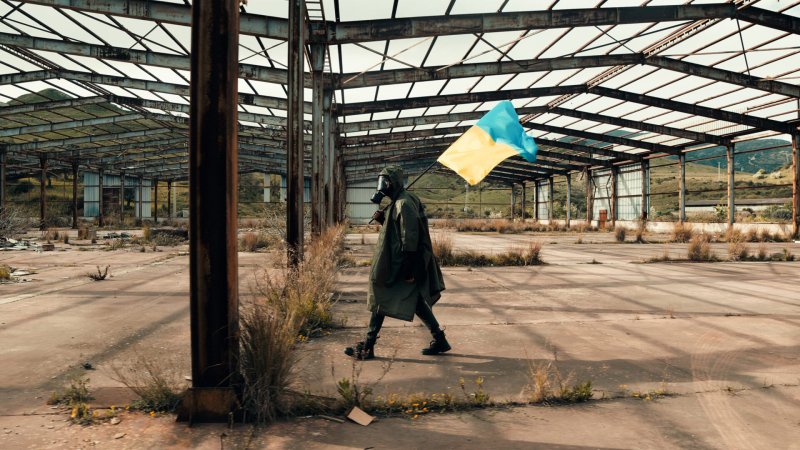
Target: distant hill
(778, 155)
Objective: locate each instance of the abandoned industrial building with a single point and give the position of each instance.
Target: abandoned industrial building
(597, 201)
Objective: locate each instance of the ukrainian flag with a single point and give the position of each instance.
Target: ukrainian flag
(497, 136)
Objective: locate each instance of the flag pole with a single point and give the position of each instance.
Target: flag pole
(409, 185)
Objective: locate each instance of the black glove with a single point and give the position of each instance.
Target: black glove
(407, 268)
(379, 216)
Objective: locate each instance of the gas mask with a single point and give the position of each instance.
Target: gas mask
(384, 189)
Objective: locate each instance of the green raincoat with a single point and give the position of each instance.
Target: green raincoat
(405, 229)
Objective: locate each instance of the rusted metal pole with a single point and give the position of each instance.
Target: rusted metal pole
(589, 197)
(796, 186)
(550, 189)
(139, 194)
(613, 200)
(2, 178)
(524, 195)
(568, 203)
(682, 188)
(645, 189)
(317, 136)
(294, 130)
(536, 200)
(43, 193)
(513, 200)
(169, 199)
(731, 185)
(213, 191)
(155, 200)
(101, 220)
(121, 199)
(327, 141)
(74, 194)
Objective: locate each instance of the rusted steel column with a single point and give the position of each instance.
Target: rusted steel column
(294, 130)
(327, 142)
(536, 200)
(155, 200)
(2, 178)
(101, 220)
(139, 203)
(731, 187)
(341, 186)
(568, 203)
(43, 193)
(682, 187)
(213, 192)
(550, 189)
(513, 200)
(523, 201)
(317, 150)
(645, 189)
(796, 187)
(121, 198)
(169, 199)
(74, 194)
(589, 197)
(613, 200)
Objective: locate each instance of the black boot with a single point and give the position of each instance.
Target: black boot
(438, 345)
(362, 350)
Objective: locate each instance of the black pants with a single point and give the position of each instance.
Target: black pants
(423, 311)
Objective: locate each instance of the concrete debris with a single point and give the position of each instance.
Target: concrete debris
(119, 435)
(358, 416)
(115, 421)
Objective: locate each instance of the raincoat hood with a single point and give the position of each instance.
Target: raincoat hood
(396, 175)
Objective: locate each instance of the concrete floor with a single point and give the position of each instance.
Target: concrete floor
(722, 337)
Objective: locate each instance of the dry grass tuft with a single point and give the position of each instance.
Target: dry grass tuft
(267, 359)
(682, 232)
(547, 385)
(738, 250)
(100, 275)
(5, 272)
(252, 242)
(157, 382)
(700, 248)
(290, 306)
(761, 252)
(619, 233)
(529, 255)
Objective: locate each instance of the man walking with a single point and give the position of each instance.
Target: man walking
(405, 279)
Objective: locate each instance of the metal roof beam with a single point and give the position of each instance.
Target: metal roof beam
(70, 125)
(28, 108)
(168, 60)
(649, 146)
(385, 77)
(415, 27)
(163, 12)
(589, 150)
(453, 99)
(380, 30)
(410, 75)
(63, 143)
(637, 125)
(688, 108)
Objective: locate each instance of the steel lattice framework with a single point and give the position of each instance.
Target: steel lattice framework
(107, 83)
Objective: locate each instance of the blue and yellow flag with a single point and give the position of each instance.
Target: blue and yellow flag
(497, 136)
